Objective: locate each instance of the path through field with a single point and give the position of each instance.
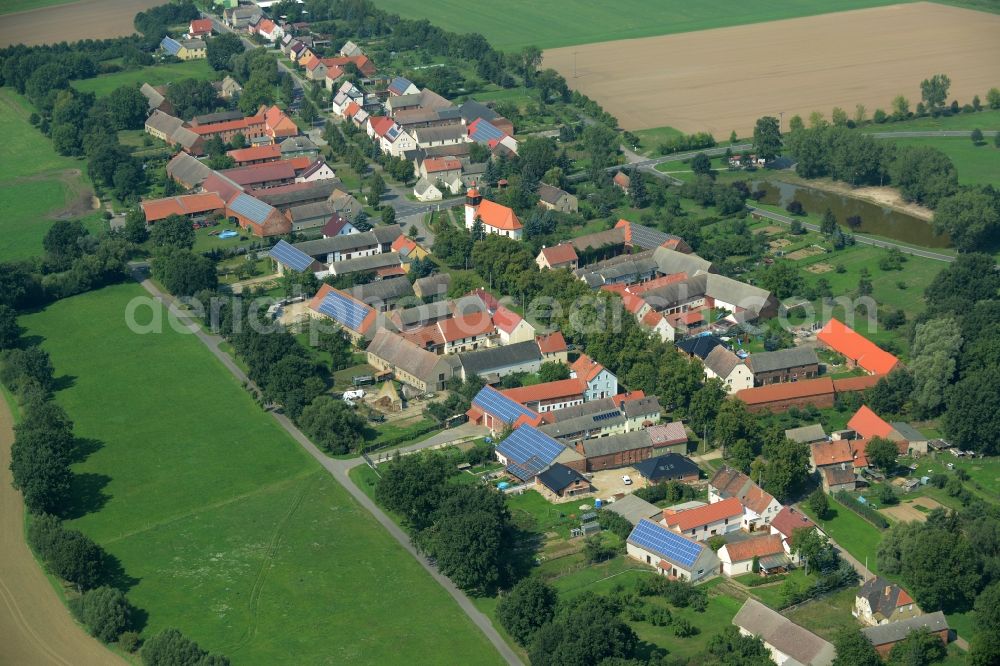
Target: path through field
(35, 626)
(86, 19)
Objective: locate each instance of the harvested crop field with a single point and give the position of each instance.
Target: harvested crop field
(86, 19)
(908, 511)
(723, 80)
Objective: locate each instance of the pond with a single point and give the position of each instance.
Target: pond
(875, 219)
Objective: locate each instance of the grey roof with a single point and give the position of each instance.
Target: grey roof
(783, 359)
(372, 262)
(908, 432)
(289, 194)
(641, 407)
(296, 144)
(442, 133)
(699, 346)
(471, 110)
(671, 261)
(550, 194)
(882, 595)
(422, 186)
(583, 409)
(557, 477)
(381, 291)
(423, 314)
(672, 294)
(433, 284)
(311, 211)
(187, 169)
(806, 434)
(496, 358)
(348, 242)
(735, 292)
(784, 635)
(667, 466)
(403, 354)
(649, 238)
(633, 508)
(454, 150)
(609, 270)
(153, 97)
(599, 239)
(573, 428)
(218, 117)
(164, 122)
(468, 304)
(184, 137)
(251, 208)
(628, 441)
(722, 362)
(897, 631)
(396, 102)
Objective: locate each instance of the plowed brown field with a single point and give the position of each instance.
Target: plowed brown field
(723, 80)
(86, 19)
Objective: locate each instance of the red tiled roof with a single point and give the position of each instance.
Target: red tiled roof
(228, 126)
(564, 388)
(704, 515)
(469, 326)
(563, 253)
(270, 151)
(498, 216)
(656, 283)
(586, 368)
(747, 549)
(199, 26)
(692, 317)
(551, 343)
(666, 434)
(622, 398)
(351, 109)
(300, 163)
(261, 173)
(854, 346)
(787, 391)
(381, 124)
(788, 520)
(265, 25)
(652, 318)
(861, 383)
(334, 225)
(831, 453)
(425, 336)
(403, 243)
(506, 320)
(867, 423)
(435, 165)
(188, 204)
(631, 302)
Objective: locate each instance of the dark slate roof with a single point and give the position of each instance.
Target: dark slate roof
(783, 359)
(471, 110)
(495, 358)
(558, 476)
(666, 467)
(897, 631)
(382, 290)
(700, 346)
(218, 117)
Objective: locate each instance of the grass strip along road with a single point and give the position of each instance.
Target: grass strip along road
(224, 526)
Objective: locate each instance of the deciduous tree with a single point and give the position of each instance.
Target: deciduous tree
(526, 608)
(767, 138)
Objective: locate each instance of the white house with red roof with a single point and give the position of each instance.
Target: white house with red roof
(338, 225)
(548, 396)
(788, 520)
(553, 347)
(759, 507)
(706, 521)
(558, 256)
(199, 29)
(496, 219)
(318, 170)
(601, 383)
(512, 327)
(268, 29)
(391, 138)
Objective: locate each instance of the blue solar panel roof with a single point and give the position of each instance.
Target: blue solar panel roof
(250, 208)
(171, 46)
(290, 256)
(344, 310)
(496, 403)
(658, 539)
(486, 131)
(530, 447)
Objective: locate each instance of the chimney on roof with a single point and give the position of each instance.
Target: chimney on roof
(887, 591)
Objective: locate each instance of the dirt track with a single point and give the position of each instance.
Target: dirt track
(35, 626)
(724, 79)
(94, 19)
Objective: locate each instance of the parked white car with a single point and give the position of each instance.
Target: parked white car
(627, 479)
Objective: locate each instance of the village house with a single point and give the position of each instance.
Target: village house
(559, 482)
(239, 17)
(401, 86)
(668, 438)
(408, 363)
(614, 451)
(318, 170)
(785, 365)
(706, 521)
(667, 467)
(187, 170)
(495, 363)
(786, 523)
(184, 49)
(390, 137)
(788, 643)
(230, 88)
(557, 256)
(461, 333)
(553, 198)
(257, 217)
(255, 154)
(432, 287)
(622, 181)
(385, 294)
(759, 507)
(512, 327)
(809, 434)
(767, 551)
(601, 383)
(885, 636)
(671, 554)
(344, 247)
(879, 601)
(726, 366)
(553, 347)
(354, 317)
(199, 29)
(548, 396)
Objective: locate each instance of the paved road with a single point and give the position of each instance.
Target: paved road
(929, 134)
(35, 626)
(864, 240)
(339, 470)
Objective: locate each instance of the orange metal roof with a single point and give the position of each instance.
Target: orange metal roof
(497, 216)
(787, 391)
(188, 204)
(845, 340)
(868, 424)
(704, 515)
(270, 151)
(215, 128)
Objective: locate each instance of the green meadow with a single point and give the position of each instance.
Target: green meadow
(154, 75)
(549, 24)
(223, 526)
(976, 165)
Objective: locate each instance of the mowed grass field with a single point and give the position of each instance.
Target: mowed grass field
(514, 24)
(12, 6)
(35, 182)
(229, 531)
(154, 75)
(977, 165)
(724, 79)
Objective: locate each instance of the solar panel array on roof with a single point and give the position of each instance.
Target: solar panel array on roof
(392, 133)
(527, 444)
(250, 208)
(660, 540)
(527, 470)
(290, 256)
(344, 310)
(496, 403)
(486, 131)
(171, 46)
(606, 415)
(648, 238)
